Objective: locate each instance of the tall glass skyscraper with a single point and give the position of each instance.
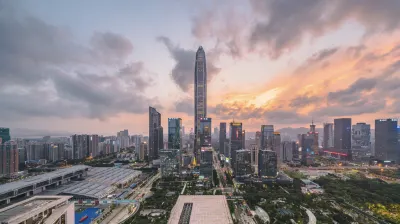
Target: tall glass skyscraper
(155, 133)
(174, 133)
(200, 96)
(205, 132)
(386, 140)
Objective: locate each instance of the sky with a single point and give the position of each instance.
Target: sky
(95, 66)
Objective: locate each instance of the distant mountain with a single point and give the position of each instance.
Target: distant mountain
(34, 133)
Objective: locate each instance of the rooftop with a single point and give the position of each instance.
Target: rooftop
(197, 209)
(30, 207)
(39, 178)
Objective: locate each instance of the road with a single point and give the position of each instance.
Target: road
(221, 175)
(120, 213)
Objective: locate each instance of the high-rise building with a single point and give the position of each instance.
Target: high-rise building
(254, 154)
(276, 143)
(267, 163)
(205, 132)
(314, 134)
(328, 136)
(35, 151)
(222, 136)
(386, 140)
(206, 162)
(342, 136)
(175, 133)
(155, 133)
(235, 140)
(267, 133)
(227, 148)
(142, 151)
(288, 147)
(200, 96)
(306, 143)
(170, 162)
(361, 136)
(9, 158)
(4, 135)
(258, 139)
(80, 146)
(243, 163)
(94, 145)
(243, 139)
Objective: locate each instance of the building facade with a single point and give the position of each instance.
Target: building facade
(205, 132)
(4, 135)
(342, 136)
(170, 162)
(243, 163)
(288, 147)
(328, 136)
(200, 96)
(387, 140)
(175, 133)
(267, 163)
(156, 139)
(222, 136)
(206, 163)
(361, 136)
(235, 139)
(9, 158)
(267, 133)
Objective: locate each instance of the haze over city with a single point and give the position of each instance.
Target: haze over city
(96, 66)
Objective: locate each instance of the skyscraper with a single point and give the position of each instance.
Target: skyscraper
(206, 163)
(267, 163)
(386, 140)
(235, 139)
(200, 96)
(314, 134)
(155, 133)
(243, 163)
(267, 133)
(205, 132)
(222, 136)
(243, 139)
(174, 133)
(4, 135)
(361, 136)
(8, 158)
(328, 136)
(342, 136)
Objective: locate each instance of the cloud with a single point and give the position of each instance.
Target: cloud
(185, 106)
(45, 72)
(283, 25)
(183, 72)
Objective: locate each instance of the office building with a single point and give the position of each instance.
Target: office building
(342, 136)
(306, 144)
(258, 139)
(205, 132)
(200, 96)
(186, 160)
(9, 158)
(40, 209)
(276, 143)
(254, 154)
(170, 162)
(243, 163)
(222, 136)
(21, 154)
(200, 209)
(235, 139)
(267, 163)
(156, 139)
(314, 134)
(288, 147)
(328, 136)
(206, 162)
(94, 146)
(174, 133)
(361, 136)
(267, 133)
(387, 140)
(243, 139)
(143, 151)
(227, 148)
(4, 135)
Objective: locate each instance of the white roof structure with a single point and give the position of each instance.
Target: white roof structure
(198, 209)
(4, 188)
(101, 181)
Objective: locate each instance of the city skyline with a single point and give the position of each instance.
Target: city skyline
(100, 75)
